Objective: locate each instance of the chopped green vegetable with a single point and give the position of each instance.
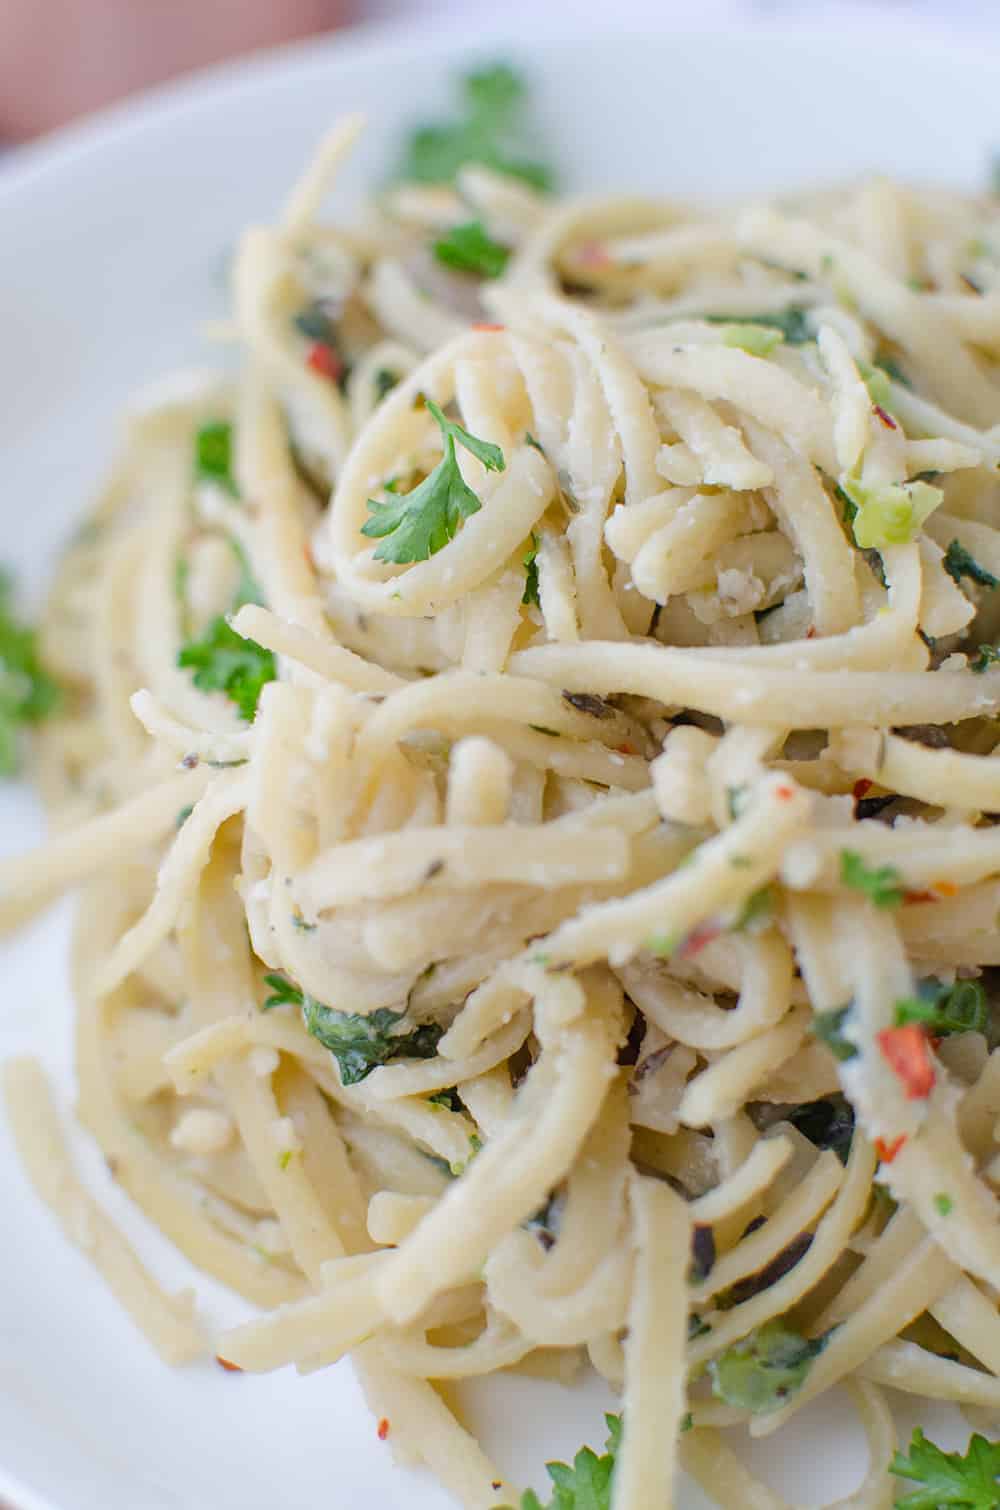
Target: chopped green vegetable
(969, 1481)
(758, 340)
(985, 657)
(758, 910)
(491, 130)
(213, 456)
(762, 1370)
(531, 440)
(943, 1204)
(316, 323)
(889, 513)
(882, 884)
(222, 661)
(183, 816)
(469, 248)
(958, 563)
(877, 382)
(284, 1158)
(449, 1099)
(27, 692)
(414, 526)
(828, 1027)
(530, 563)
(587, 1485)
(358, 1043)
(892, 369)
(961, 1008)
(792, 322)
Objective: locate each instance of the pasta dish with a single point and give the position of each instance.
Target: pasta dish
(526, 735)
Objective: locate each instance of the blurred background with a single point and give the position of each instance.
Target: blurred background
(60, 59)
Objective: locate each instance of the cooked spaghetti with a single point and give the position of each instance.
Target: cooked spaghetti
(529, 752)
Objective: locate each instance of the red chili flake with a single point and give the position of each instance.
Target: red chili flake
(625, 749)
(908, 1055)
(593, 254)
(324, 360)
(383, 1429)
(698, 939)
(945, 888)
(861, 788)
(887, 419)
(487, 325)
(888, 1151)
(910, 897)
(811, 632)
(784, 793)
(230, 1368)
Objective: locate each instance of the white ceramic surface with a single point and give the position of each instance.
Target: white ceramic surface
(111, 243)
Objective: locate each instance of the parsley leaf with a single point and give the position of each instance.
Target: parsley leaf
(959, 563)
(414, 526)
(222, 661)
(385, 382)
(961, 1008)
(469, 248)
(530, 563)
(882, 885)
(27, 692)
(986, 656)
(763, 1369)
(949, 1478)
(889, 513)
(757, 340)
(828, 1027)
(213, 456)
(358, 1043)
(491, 130)
(792, 323)
(587, 1485)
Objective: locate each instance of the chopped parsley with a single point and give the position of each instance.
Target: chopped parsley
(492, 129)
(828, 1027)
(758, 340)
(530, 563)
(882, 884)
(970, 1481)
(889, 513)
(358, 1043)
(943, 1204)
(222, 661)
(959, 563)
(415, 526)
(183, 815)
(985, 657)
(385, 382)
(449, 1099)
(27, 692)
(763, 1369)
(213, 456)
(944, 1010)
(470, 249)
(792, 323)
(587, 1483)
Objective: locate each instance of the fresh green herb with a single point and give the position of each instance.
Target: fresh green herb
(491, 130)
(248, 589)
(958, 563)
(762, 1370)
(791, 322)
(828, 1027)
(183, 816)
(222, 661)
(758, 910)
(943, 1204)
(985, 657)
(889, 513)
(450, 1099)
(827, 1123)
(358, 1043)
(284, 1158)
(882, 885)
(530, 563)
(316, 323)
(687, 1422)
(385, 382)
(969, 1481)
(758, 340)
(587, 1485)
(470, 249)
(961, 1008)
(536, 445)
(892, 369)
(697, 1327)
(414, 526)
(27, 692)
(213, 456)
(662, 944)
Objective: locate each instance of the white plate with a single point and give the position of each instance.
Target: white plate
(112, 242)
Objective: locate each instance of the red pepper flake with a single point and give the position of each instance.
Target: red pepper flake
(698, 939)
(784, 793)
(908, 1054)
(230, 1368)
(910, 897)
(324, 360)
(811, 632)
(383, 1429)
(887, 419)
(625, 749)
(861, 788)
(487, 325)
(888, 1151)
